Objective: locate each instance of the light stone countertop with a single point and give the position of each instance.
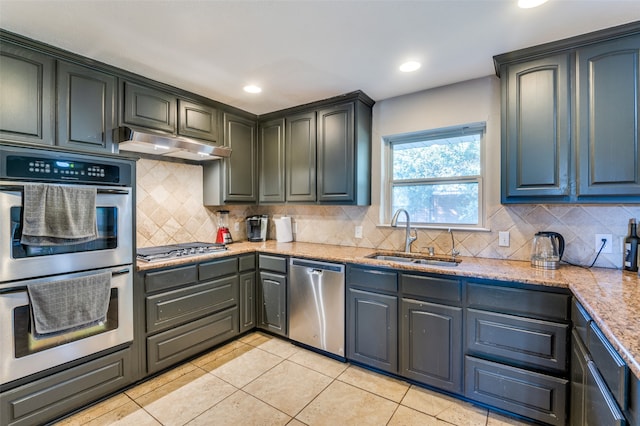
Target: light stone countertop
(610, 296)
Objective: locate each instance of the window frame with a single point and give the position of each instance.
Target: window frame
(427, 135)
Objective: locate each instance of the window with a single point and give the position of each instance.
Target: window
(436, 176)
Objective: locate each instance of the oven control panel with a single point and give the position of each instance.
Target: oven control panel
(63, 168)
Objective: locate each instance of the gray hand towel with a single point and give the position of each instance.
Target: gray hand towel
(58, 215)
(69, 304)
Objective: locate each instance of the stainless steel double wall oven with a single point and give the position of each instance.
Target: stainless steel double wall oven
(22, 353)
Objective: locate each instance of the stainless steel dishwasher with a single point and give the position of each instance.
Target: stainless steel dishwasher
(316, 305)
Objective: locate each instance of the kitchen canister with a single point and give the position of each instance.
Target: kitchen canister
(283, 229)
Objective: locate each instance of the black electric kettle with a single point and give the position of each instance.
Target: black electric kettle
(547, 250)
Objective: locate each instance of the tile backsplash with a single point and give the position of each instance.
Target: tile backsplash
(170, 210)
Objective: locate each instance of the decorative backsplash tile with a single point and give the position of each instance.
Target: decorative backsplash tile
(170, 210)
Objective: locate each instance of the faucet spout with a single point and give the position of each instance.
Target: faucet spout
(408, 237)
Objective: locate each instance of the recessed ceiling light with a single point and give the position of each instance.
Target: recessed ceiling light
(252, 89)
(410, 66)
(528, 4)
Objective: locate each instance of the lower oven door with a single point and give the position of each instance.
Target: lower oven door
(21, 354)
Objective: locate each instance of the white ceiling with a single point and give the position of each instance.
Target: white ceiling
(305, 50)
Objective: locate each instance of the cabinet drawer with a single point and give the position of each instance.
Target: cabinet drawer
(612, 367)
(161, 280)
(53, 396)
(171, 346)
(443, 289)
(173, 308)
(518, 301)
(522, 340)
(272, 263)
(247, 263)
(217, 268)
(580, 319)
(534, 395)
(372, 279)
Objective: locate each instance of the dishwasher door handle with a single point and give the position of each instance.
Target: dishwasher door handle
(315, 272)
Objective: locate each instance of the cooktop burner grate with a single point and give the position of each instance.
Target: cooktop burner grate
(172, 251)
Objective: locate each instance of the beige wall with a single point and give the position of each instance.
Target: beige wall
(170, 194)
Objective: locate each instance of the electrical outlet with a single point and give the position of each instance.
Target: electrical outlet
(358, 231)
(608, 247)
(503, 239)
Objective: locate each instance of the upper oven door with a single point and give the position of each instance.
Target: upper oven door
(114, 246)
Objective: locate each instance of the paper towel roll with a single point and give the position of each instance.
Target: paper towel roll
(283, 229)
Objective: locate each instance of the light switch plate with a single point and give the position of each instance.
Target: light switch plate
(358, 233)
(503, 239)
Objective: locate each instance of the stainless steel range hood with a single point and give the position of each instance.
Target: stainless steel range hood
(163, 144)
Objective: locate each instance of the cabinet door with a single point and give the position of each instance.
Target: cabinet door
(271, 154)
(300, 144)
(579, 360)
(26, 95)
(601, 408)
(86, 108)
(197, 121)
(372, 329)
(535, 129)
(607, 118)
(336, 151)
(432, 344)
(147, 107)
(273, 303)
(247, 301)
(240, 170)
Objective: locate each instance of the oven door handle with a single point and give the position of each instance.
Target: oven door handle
(20, 188)
(23, 288)
(9, 290)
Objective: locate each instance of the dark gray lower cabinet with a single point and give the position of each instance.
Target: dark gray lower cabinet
(373, 329)
(53, 396)
(602, 390)
(169, 347)
(272, 311)
(432, 344)
(538, 396)
(246, 268)
(189, 309)
(272, 294)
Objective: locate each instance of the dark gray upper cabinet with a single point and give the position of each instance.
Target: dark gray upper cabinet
(536, 145)
(271, 155)
(327, 152)
(147, 107)
(300, 143)
(570, 119)
(240, 168)
(198, 121)
(336, 150)
(607, 117)
(86, 108)
(26, 95)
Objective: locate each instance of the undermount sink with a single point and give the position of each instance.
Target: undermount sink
(416, 259)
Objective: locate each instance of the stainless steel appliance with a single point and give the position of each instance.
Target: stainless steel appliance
(182, 250)
(547, 250)
(22, 353)
(257, 228)
(317, 305)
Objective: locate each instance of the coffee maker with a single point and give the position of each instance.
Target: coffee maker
(257, 227)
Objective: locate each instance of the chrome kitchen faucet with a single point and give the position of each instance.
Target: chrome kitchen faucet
(408, 237)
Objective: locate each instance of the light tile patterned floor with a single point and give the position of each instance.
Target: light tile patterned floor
(263, 380)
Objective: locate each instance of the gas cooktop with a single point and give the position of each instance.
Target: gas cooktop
(173, 251)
